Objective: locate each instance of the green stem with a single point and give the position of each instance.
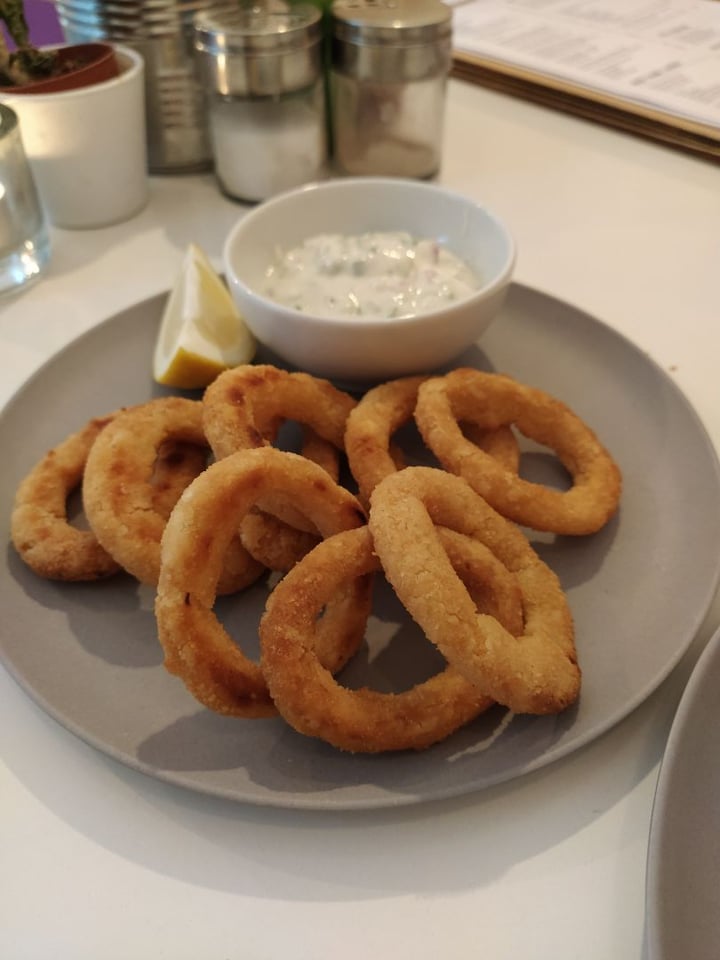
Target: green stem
(12, 14)
(27, 63)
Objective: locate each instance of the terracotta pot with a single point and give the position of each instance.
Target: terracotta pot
(97, 62)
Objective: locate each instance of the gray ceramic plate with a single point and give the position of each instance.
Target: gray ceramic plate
(639, 589)
(683, 876)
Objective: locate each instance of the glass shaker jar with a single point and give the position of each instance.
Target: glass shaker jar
(262, 73)
(389, 65)
(24, 240)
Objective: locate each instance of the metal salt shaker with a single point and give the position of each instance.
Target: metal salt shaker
(262, 72)
(389, 65)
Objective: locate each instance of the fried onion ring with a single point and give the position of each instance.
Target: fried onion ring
(274, 543)
(383, 410)
(118, 491)
(39, 527)
(367, 721)
(495, 590)
(243, 409)
(534, 673)
(279, 544)
(493, 400)
(197, 647)
(322, 452)
(176, 466)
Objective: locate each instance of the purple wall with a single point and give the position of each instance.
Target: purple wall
(43, 22)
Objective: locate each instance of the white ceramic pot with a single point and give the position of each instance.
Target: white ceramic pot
(87, 147)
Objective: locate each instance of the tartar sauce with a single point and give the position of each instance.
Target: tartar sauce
(370, 275)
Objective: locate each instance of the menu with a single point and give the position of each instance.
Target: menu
(649, 66)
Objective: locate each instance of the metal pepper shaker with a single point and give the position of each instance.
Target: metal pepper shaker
(389, 64)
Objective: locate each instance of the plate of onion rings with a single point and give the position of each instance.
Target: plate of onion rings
(638, 589)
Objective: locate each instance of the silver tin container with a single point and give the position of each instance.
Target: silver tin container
(390, 61)
(259, 53)
(262, 74)
(161, 31)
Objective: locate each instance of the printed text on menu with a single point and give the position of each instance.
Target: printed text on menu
(664, 54)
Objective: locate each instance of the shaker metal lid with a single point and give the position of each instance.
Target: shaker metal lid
(256, 31)
(391, 21)
(258, 53)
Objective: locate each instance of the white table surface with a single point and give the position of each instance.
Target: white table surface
(102, 863)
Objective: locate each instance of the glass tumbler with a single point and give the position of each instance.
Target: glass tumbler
(24, 241)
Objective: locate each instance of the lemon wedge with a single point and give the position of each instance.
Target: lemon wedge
(201, 331)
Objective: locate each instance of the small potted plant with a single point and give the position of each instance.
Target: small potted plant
(82, 128)
(32, 69)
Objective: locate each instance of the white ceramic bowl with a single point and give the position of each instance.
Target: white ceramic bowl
(361, 349)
